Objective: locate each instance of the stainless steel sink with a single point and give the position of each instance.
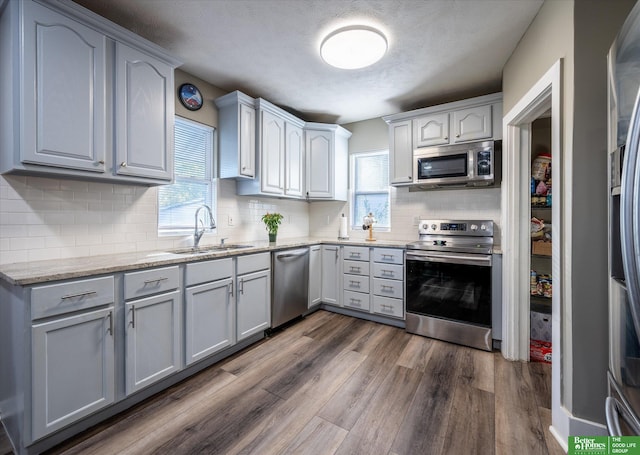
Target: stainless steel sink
(209, 249)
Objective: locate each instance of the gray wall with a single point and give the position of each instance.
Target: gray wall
(579, 33)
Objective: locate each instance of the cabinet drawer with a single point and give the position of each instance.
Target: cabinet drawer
(206, 271)
(356, 283)
(148, 282)
(388, 255)
(387, 306)
(356, 268)
(388, 271)
(253, 263)
(356, 300)
(356, 253)
(61, 298)
(388, 288)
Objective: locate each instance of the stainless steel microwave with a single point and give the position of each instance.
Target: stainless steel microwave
(473, 164)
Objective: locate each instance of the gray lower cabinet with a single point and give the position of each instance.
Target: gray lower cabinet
(72, 369)
(72, 351)
(209, 308)
(315, 275)
(253, 296)
(153, 338)
(331, 289)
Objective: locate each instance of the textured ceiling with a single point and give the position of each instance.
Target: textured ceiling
(439, 50)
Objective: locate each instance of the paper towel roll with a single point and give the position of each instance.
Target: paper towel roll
(344, 230)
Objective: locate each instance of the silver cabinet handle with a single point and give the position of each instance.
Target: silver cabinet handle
(390, 256)
(355, 301)
(231, 289)
(386, 286)
(78, 295)
(157, 281)
(386, 306)
(353, 283)
(101, 162)
(110, 328)
(387, 272)
(354, 269)
(123, 164)
(241, 287)
(133, 316)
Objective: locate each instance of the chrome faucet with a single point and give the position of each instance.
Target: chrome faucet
(197, 234)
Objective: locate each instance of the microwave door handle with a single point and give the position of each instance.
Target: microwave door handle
(629, 215)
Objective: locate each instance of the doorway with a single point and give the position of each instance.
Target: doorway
(543, 99)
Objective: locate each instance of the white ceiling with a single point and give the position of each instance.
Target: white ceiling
(439, 50)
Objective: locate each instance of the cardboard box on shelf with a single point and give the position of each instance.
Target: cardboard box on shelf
(541, 247)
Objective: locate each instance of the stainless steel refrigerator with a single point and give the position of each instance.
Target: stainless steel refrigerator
(623, 403)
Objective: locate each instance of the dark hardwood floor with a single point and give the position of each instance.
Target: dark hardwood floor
(332, 384)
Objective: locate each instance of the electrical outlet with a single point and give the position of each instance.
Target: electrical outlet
(230, 220)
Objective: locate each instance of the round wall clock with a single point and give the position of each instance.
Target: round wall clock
(190, 97)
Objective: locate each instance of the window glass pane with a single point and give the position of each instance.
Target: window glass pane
(378, 204)
(178, 203)
(193, 186)
(372, 172)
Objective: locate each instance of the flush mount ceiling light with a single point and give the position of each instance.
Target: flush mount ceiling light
(353, 47)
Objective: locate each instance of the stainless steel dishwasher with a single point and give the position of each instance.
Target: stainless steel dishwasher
(290, 285)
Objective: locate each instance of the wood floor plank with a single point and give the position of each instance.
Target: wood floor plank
(476, 368)
(553, 446)
(346, 406)
(540, 374)
(523, 434)
(425, 426)
(417, 353)
(286, 381)
(380, 422)
(115, 435)
(292, 415)
(318, 437)
(470, 427)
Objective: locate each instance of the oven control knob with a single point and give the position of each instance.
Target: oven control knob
(425, 226)
(433, 226)
(474, 227)
(483, 227)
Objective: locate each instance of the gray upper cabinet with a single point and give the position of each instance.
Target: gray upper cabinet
(77, 89)
(327, 161)
(294, 160)
(271, 145)
(144, 115)
(237, 133)
(468, 120)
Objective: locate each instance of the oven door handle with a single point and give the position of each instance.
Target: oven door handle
(465, 259)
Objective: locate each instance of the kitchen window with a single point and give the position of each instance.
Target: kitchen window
(370, 188)
(194, 183)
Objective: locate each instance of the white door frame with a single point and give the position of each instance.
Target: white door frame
(516, 214)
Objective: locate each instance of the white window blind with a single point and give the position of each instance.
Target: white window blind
(193, 185)
(370, 183)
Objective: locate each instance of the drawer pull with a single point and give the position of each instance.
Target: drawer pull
(231, 289)
(110, 328)
(385, 286)
(156, 281)
(354, 283)
(355, 254)
(386, 307)
(133, 316)
(354, 269)
(390, 256)
(355, 301)
(78, 295)
(387, 272)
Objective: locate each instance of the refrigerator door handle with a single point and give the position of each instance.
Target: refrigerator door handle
(629, 216)
(611, 414)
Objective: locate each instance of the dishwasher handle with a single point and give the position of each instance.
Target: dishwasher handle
(294, 254)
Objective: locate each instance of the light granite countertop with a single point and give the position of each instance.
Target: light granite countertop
(27, 273)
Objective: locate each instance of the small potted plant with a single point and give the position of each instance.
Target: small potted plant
(272, 221)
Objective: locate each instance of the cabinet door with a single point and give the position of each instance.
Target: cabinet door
(144, 115)
(331, 287)
(400, 153)
(431, 130)
(315, 275)
(319, 164)
(272, 153)
(253, 303)
(72, 369)
(247, 149)
(64, 72)
(209, 319)
(472, 124)
(152, 339)
(294, 168)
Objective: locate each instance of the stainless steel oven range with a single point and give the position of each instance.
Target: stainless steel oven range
(448, 282)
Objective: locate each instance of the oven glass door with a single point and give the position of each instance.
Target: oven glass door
(459, 292)
(436, 167)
